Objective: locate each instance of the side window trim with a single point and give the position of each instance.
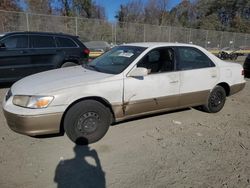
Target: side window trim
(159, 48)
(6, 37)
(58, 43)
(31, 42)
(211, 63)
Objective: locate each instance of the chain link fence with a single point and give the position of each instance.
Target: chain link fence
(117, 33)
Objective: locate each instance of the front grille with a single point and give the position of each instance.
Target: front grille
(8, 95)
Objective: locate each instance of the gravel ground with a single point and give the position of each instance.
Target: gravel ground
(187, 148)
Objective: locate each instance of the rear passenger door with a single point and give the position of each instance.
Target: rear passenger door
(44, 53)
(14, 57)
(198, 75)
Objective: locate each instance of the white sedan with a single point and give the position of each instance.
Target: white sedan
(128, 81)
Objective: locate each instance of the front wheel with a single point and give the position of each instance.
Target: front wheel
(216, 100)
(87, 122)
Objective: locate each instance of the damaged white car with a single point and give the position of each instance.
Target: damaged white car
(128, 81)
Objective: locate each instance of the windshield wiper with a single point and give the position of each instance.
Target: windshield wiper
(91, 67)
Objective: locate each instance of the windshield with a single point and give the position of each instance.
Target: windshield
(115, 60)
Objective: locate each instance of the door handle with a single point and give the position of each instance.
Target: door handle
(174, 82)
(23, 52)
(213, 75)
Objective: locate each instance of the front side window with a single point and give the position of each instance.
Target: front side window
(65, 42)
(42, 41)
(158, 60)
(192, 58)
(14, 42)
(116, 60)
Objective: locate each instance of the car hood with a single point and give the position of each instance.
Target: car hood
(57, 79)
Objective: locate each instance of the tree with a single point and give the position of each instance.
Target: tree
(9, 5)
(98, 12)
(130, 12)
(225, 15)
(9, 21)
(87, 9)
(65, 8)
(163, 6)
(83, 8)
(121, 14)
(39, 6)
(151, 13)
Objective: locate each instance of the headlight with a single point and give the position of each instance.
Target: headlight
(32, 101)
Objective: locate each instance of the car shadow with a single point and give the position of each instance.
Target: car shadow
(6, 85)
(82, 142)
(149, 116)
(78, 172)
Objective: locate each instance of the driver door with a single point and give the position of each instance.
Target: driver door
(157, 91)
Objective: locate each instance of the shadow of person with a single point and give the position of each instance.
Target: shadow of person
(77, 172)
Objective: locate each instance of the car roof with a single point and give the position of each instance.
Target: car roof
(38, 33)
(97, 44)
(158, 44)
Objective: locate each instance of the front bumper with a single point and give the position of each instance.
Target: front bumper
(33, 125)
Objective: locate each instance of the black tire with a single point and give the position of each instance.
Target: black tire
(87, 122)
(216, 100)
(234, 57)
(68, 64)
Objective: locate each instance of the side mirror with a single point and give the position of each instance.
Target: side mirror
(138, 72)
(2, 45)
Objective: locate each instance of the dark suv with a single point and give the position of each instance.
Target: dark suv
(25, 53)
(247, 66)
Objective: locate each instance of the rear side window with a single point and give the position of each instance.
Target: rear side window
(38, 41)
(192, 58)
(18, 41)
(65, 42)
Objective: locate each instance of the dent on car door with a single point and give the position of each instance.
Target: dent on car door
(198, 76)
(158, 90)
(43, 53)
(14, 57)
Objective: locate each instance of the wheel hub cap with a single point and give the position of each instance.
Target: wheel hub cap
(216, 99)
(88, 122)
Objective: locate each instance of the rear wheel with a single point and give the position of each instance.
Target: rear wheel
(216, 100)
(68, 64)
(234, 57)
(87, 122)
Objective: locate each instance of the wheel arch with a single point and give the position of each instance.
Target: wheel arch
(103, 101)
(68, 61)
(226, 87)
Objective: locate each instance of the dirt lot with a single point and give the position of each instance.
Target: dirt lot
(188, 148)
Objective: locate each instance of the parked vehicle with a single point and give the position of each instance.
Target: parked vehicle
(97, 48)
(128, 81)
(227, 53)
(247, 66)
(26, 53)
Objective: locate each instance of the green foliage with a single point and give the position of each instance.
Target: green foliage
(224, 15)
